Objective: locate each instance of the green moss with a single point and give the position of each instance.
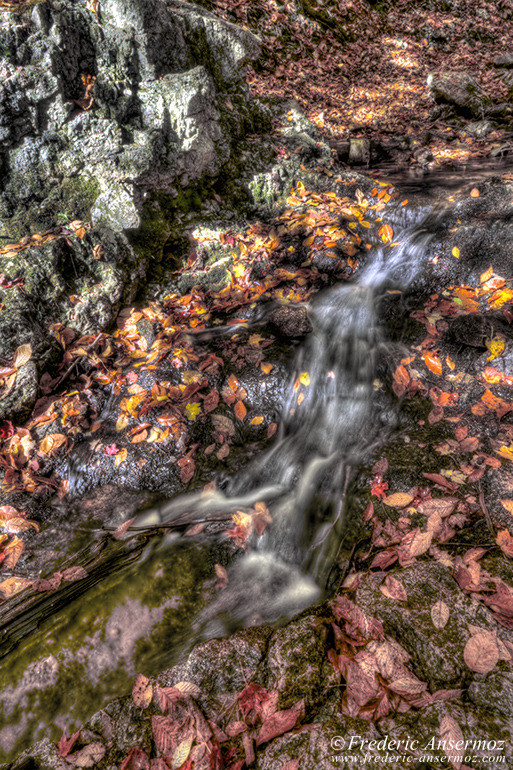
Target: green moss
(72, 199)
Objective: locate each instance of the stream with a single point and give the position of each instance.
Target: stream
(143, 615)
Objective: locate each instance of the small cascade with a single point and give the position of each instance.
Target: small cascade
(329, 425)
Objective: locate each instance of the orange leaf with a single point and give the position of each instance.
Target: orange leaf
(386, 233)
(240, 410)
(433, 362)
(233, 382)
(474, 193)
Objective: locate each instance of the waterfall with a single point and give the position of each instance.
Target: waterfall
(328, 426)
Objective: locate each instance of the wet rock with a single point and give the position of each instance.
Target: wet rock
(67, 282)
(98, 110)
(459, 90)
(291, 321)
(437, 654)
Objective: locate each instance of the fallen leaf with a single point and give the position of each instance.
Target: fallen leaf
(394, 589)
(240, 410)
(398, 499)
(71, 574)
(13, 585)
(89, 756)
(505, 542)
(433, 362)
(142, 691)
(481, 653)
(451, 734)
(22, 355)
(440, 614)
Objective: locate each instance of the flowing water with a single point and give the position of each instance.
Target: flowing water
(330, 423)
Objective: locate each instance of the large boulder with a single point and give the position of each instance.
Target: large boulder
(98, 109)
(460, 91)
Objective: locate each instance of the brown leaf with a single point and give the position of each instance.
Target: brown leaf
(398, 499)
(442, 505)
(22, 355)
(13, 585)
(66, 744)
(142, 692)
(12, 552)
(451, 734)
(280, 722)
(164, 733)
(137, 759)
(89, 756)
(71, 574)
(481, 653)
(222, 577)
(240, 410)
(420, 543)
(188, 688)
(210, 401)
(394, 589)
(439, 614)
(505, 542)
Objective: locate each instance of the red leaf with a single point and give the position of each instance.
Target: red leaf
(137, 759)
(280, 722)
(66, 744)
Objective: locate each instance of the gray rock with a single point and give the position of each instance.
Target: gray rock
(479, 128)
(96, 111)
(103, 279)
(503, 60)
(459, 90)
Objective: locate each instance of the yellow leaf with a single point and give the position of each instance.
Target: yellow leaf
(456, 252)
(496, 347)
(193, 410)
(266, 368)
(256, 421)
(120, 457)
(486, 275)
(122, 421)
(304, 378)
(506, 451)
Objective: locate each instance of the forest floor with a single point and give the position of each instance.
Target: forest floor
(360, 69)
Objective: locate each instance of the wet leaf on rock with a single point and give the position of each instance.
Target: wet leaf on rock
(440, 614)
(505, 542)
(481, 653)
(22, 355)
(14, 585)
(89, 756)
(394, 589)
(142, 692)
(451, 733)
